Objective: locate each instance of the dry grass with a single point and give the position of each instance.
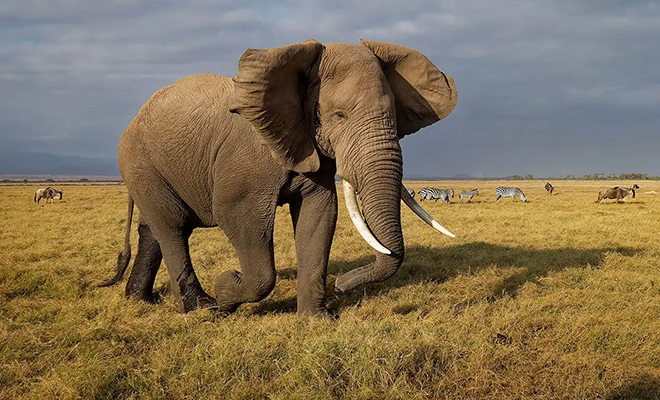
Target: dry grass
(558, 298)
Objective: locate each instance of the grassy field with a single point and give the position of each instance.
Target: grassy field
(558, 298)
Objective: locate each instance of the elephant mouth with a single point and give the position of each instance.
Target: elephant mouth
(360, 224)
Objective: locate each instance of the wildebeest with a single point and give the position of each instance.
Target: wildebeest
(617, 193)
(50, 193)
(549, 188)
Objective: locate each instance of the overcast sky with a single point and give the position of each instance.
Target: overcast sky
(546, 87)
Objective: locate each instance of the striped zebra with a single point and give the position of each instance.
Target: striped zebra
(509, 192)
(436, 194)
(468, 195)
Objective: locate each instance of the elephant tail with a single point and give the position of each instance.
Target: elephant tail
(124, 256)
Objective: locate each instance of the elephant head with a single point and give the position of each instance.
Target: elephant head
(311, 102)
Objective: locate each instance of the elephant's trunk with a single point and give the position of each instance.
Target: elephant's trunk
(378, 174)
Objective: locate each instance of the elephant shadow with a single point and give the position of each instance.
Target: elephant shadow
(644, 387)
(426, 264)
(628, 203)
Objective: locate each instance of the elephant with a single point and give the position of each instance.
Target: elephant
(211, 150)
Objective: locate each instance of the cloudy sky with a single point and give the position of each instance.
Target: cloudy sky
(546, 87)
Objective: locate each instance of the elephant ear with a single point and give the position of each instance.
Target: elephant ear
(423, 94)
(268, 93)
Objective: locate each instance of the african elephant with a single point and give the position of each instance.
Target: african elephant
(210, 150)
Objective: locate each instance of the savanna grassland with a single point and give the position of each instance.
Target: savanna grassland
(558, 298)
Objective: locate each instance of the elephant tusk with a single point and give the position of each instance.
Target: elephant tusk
(350, 199)
(421, 212)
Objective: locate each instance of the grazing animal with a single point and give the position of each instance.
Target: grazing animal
(509, 192)
(411, 192)
(617, 193)
(444, 194)
(468, 195)
(50, 193)
(549, 188)
(436, 194)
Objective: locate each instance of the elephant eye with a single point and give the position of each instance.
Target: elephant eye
(340, 116)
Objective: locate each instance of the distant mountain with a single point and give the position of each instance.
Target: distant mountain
(27, 163)
(459, 177)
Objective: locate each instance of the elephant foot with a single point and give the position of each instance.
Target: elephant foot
(226, 286)
(198, 301)
(232, 288)
(144, 296)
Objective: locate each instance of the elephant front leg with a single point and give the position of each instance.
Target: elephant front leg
(314, 220)
(252, 238)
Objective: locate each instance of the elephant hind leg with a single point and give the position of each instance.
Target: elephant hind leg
(166, 223)
(183, 280)
(147, 262)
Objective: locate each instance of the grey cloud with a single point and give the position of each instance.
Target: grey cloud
(545, 87)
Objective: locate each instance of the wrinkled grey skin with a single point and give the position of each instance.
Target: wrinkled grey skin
(216, 151)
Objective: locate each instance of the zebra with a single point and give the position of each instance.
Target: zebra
(468, 195)
(447, 193)
(549, 188)
(512, 192)
(436, 194)
(617, 193)
(432, 194)
(50, 193)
